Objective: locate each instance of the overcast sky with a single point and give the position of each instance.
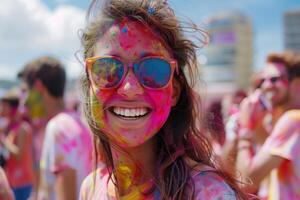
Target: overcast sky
(30, 28)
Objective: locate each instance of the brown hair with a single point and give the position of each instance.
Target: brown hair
(180, 137)
(49, 71)
(290, 59)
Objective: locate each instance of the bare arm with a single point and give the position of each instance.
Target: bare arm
(257, 168)
(17, 149)
(65, 184)
(12, 148)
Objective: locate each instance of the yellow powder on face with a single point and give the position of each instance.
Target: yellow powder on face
(97, 111)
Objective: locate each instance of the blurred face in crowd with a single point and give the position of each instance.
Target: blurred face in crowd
(275, 83)
(7, 110)
(34, 102)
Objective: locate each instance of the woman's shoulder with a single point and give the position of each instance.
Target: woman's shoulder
(208, 184)
(94, 185)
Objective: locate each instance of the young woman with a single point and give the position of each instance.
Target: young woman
(141, 108)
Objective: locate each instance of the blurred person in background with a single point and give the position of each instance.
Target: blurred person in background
(278, 156)
(230, 112)
(230, 103)
(17, 139)
(215, 126)
(36, 116)
(66, 152)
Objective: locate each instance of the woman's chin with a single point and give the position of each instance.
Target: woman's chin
(131, 139)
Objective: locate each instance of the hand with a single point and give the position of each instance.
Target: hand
(252, 111)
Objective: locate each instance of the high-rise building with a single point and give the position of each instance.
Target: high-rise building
(227, 60)
(292, 30)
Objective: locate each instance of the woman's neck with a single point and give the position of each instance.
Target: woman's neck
(136, 167)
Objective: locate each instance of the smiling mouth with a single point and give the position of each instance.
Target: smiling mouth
(130, 113)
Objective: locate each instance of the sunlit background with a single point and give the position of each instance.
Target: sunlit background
(243, 32)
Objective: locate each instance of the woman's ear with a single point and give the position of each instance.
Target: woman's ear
(176, 92)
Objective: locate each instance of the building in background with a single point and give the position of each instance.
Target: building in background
(292, 30)
(227, 61)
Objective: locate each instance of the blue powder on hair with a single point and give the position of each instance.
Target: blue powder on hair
(124, 29)
(151, 10)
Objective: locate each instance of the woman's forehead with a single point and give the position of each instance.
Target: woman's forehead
(131, 38)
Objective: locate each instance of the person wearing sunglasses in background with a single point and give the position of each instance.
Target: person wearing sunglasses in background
(67, 145)
(278, 156)
(141, 107)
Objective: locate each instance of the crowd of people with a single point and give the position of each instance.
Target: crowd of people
(145, 134)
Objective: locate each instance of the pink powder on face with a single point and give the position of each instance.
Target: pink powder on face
(126, 37)
(162, 104)
(131, 42)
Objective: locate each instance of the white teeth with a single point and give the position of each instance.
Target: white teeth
(127, 112)
(130, 112)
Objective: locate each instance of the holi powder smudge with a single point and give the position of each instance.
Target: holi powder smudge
(151, 10)
(97, 111)
(124, 29)
(126, 174)
(126, 37)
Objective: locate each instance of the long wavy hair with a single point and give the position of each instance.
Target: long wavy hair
(180, 139)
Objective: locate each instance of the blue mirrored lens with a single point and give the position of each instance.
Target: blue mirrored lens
(153, 72)
(107, 72)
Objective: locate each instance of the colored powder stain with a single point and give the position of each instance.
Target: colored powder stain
(125, 176)
(114, 34)
(124, 29)
(285, 171)
(127, 38)
(123, 140)
(151, 10)
(35, 104)
(97, 111)
(127, 41)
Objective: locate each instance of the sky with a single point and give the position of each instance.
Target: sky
(31, 28)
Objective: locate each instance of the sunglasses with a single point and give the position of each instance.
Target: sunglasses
(273, 80)
(152, 72)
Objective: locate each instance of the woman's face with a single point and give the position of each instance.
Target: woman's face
(130, 41)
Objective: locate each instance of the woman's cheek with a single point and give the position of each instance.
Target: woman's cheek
(162, 102)
(97, 106)
(162, 97)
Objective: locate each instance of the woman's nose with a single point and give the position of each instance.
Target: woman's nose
(130, 88)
